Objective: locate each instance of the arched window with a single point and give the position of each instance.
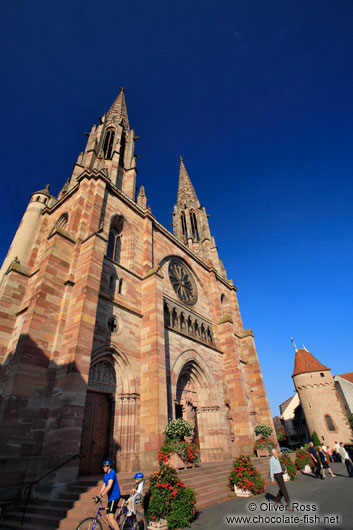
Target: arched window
(183, 225)
(329, 423)
(195, 233)
(224, 304)
(114, 240)
(62, 221)
(108, 143)
(122, 149)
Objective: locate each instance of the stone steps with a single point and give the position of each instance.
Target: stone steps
(210, 481)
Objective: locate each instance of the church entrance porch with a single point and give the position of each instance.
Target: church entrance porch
(110, 425)
(196, 402)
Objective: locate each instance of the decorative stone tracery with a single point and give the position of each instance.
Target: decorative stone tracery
(102, 378)
(182, 281)
(185, 321)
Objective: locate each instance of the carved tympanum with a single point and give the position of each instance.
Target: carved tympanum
(182, 281)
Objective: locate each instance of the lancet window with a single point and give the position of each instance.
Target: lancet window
(115, 238)
(122, 149)
(195, 233)
(62, 221)
(183, 225)
(108, 144)
(329, 423)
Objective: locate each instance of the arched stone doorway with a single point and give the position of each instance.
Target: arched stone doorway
(97, 423)
(187, 403)
(111, 414)
(197, 401)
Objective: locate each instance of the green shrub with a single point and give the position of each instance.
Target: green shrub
(316, 439)
(245, 476)
(168, 498)
(263, 430)
(290, 466)
(280, 436)
(178, 429)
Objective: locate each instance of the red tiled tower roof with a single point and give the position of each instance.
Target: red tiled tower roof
(306, 362)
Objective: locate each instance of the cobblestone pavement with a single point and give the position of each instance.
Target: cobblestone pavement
(322, 504)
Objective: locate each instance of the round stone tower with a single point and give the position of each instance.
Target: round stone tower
(322, 407)
(25, 236)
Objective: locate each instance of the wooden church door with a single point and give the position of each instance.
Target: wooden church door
(95, 433)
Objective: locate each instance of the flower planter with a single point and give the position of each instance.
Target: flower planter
(157, 525)
(286, 477)
(307, 469)
(262, 451)
(175, 461)
(242, 493)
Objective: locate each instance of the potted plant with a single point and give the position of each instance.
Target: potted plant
(176, 451)
(168, 503)
(244, 478)
(263, 445)
(186, 453)
(290, 467)
(303, 460)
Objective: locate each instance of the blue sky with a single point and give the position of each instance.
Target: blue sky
(257, 98)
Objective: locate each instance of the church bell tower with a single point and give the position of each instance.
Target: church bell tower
(190, 222)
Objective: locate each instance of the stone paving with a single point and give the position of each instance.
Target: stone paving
(316, 499)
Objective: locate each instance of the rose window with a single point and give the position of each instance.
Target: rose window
(182, 281)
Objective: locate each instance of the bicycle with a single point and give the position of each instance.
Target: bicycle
(129, 522)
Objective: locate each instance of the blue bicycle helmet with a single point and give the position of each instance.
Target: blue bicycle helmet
(108, 462)
(138, 475)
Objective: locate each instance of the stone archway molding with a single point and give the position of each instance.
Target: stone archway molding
(191, 362)
(119, 364)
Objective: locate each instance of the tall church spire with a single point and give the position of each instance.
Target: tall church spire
(190, 222)
(118, 110)
(186, 192)
(111, 148)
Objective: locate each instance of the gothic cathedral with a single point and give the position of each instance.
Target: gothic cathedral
(110, 325)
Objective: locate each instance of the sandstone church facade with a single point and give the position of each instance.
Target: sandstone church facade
(110, 325)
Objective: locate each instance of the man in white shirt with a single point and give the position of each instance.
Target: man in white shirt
(346, 459)
(277, 474)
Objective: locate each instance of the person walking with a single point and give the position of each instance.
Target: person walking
(329, 452)
(111, 487)
(336, 456)
(323, 458)
(346, 459)
(316, 460)
(276, 474)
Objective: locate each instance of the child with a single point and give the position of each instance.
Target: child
(136, 493)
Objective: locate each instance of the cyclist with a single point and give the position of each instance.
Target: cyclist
(111, 487)
(136, 493)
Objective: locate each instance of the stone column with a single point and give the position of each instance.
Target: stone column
(154, 410)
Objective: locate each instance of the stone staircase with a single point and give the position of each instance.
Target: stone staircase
(209, 481)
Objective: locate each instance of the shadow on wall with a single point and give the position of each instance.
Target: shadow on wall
(41, 416)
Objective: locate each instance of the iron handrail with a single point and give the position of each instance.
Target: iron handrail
(30, 486)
